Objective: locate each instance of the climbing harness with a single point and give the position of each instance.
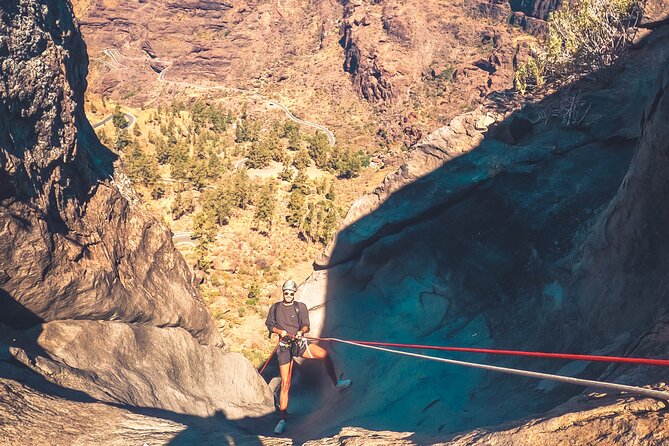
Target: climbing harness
(664, 395)
(294, 345)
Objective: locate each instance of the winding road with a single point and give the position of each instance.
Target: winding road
(270, 103)
(128, 116)
(115, 57)
(328, 133)
(183, 238)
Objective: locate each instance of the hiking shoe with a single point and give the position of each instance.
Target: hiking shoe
(343, 384)
(280, 427)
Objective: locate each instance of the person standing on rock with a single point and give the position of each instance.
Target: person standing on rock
(290, 320)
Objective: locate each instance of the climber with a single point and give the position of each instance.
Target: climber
(290, 320)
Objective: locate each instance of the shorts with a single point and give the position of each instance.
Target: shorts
(286, 353)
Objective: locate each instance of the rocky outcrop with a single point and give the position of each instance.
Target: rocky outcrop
(75, 245)
(96, 295)
(369, 80)
(596, 421)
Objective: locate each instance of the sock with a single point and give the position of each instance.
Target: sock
(283, 414)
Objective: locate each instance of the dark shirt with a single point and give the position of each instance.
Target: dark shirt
(287, 317)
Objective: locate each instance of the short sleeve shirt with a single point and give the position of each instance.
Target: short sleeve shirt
(287, 317)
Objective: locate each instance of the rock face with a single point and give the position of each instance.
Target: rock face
(73, 246)
(97, 296)
(390, 46)
(520, 237)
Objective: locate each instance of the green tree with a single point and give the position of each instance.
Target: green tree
(346, 164)
(197, 174)
(290, 128)
(301, 160)
(246, 130)
(219, 120)
(118, 118)
(319, 150)
(265, 206)
(217, 204)
(182, 205)
(214, 166)
(296, 204)
(589, 36)
(204, 227)
(330, 222)
(259, 155)
(163, 152)
(274, 147)
(301, 182)
(123, 139)
(141, 168)
(180, 162)
(309, 224)
(242, 189)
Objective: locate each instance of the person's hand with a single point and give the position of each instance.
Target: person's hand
(283, 333)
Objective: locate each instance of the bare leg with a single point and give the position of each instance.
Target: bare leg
(286, 372)
(316, 352)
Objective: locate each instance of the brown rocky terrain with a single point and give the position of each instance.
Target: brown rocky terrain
(418, 65)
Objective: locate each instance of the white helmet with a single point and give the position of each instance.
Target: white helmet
(289, 285)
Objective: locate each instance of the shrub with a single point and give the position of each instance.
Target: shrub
(589, 36)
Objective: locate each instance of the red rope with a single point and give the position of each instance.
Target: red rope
(643, 361)
(270, 357)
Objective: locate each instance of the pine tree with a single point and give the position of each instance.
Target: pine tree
(123, 139)
(296, 204)
(197, 174)
(265, 206)
(273, 146)
(118, 118)
(214, 166)
(330, 222)
(181, 206)
(319, 149)
(301, 182)
(301, 160)
(163, 152)
(242, 189)
(309, 223)
(259, 155)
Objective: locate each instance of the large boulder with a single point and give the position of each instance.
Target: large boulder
(93, 292)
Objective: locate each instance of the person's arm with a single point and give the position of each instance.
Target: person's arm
(304, 319)
(280, 331)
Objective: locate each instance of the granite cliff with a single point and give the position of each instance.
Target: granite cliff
(95, 298)
(513, 227)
